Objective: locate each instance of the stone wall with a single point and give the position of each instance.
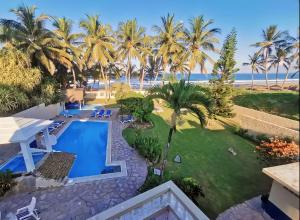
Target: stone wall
(41, 111)
(257, 122)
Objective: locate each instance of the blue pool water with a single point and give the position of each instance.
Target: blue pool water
(17, 164)
(88, 141)
(85, 107)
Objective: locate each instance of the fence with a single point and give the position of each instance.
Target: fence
(257, 122)
(41, 111)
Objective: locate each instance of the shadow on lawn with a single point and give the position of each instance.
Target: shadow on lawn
(226, 180)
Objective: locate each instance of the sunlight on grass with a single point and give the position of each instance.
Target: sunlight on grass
(226, 179)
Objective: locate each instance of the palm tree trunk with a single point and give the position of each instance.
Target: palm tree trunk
(266, 73)
(189, 76)
(109, 87)
(142, 80)
(277, 74)
(285, 79)
(252, 79)
(105, 81)
(74, 78)
(167, 147)
(128, 71)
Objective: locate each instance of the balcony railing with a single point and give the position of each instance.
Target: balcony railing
(148, 204)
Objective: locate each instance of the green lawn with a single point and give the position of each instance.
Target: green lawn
(282, 103)
(226, 180)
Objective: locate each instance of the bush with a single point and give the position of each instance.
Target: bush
(277, 151)
(48, 92)
(6, 182)
(151, 181)
(148, 147)
(190, 187)
(12, 99)
(16, 70)
(139, 107)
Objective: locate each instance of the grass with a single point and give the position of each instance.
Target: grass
(226, 180)
(111, 103)
(282, 103)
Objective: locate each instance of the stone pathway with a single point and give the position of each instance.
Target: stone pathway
(83, 200)
(249, 210)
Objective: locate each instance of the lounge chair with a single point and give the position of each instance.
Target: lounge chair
(94, 114)
(28, 212)
(101, 113)
(127, 119)
(108, 113)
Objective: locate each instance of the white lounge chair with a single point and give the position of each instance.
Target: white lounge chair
(28, 212)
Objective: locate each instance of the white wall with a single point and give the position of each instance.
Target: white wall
(41, 111)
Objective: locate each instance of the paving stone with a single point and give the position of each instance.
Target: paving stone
(83, 200)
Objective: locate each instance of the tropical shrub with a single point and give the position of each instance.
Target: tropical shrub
(139, 107)
(49, 92)
(12, 99)
(16, 70)
(6, 182)
(190, 187)
(148, 147)
(277, 151)
(151, 181)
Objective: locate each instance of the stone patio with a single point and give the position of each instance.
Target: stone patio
(248, 210)
(82, 200)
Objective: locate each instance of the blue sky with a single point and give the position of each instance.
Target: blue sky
(249, 17)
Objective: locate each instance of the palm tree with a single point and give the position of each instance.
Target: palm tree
(29, 35)
(255, 62)
(169, 39)
(154, 65)
(180, 64)
(181, 95)
(145, 53)
(280, 59)
(199, 39)
(98, 42)
(69, 41)
(272, 38)
(130, 43)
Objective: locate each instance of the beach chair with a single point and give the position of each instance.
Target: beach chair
(127, 119)
(94, 114)
(28, 212)
(108, 113)
(101, 113)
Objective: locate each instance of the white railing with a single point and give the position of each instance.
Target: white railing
(152, 202)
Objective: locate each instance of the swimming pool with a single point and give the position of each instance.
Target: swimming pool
(84, 108)
(88, 141)
(17, 163)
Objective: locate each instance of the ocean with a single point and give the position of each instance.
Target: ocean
(240, 78)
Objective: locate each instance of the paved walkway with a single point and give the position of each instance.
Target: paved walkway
(249, 210)
(83, 200)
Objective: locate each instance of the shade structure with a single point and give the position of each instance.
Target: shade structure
(18, 129)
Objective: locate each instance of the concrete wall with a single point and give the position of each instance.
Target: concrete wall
(41, 111)
(285, 200)
(258, 122)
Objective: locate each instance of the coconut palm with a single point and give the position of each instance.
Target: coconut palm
(98, 44)
(272, 37)
(69, 41)
(145, 53)
(169, 39)
(28, 33)
(180, 64)
(280, 58)
(179, 96)
(154, 65)
(199, 39)
(130, 44)
(255, 62)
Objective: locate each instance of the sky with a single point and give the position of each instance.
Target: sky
(248, 17)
